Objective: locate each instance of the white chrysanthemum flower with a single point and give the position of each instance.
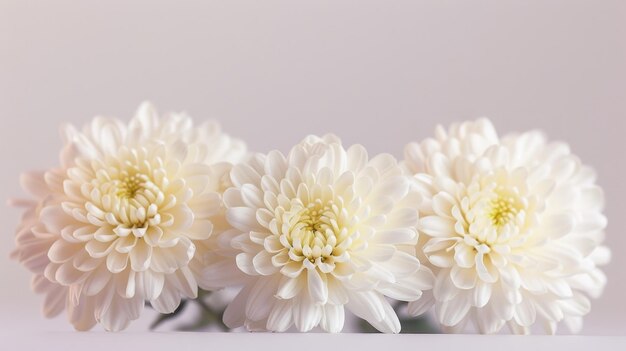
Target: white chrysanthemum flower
(315, 231)
(513, 229)
(126, 217)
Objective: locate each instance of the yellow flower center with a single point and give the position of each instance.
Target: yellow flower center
(129, 185)
(503, 209)
(128, 192)
(315, 218)
(315, 232)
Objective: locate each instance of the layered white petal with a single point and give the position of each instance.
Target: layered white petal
(511, 228)
(128, 217)
(317, 231)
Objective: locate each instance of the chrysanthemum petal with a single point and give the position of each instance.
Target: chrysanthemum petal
(306, 313)
(333, 317)
(280, 318)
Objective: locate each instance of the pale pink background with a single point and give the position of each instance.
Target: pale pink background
(380, 73)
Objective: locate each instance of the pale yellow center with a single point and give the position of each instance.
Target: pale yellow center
(315, 232)
(503, 209)
(129, 185)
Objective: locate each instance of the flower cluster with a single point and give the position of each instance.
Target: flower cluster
(489, 231)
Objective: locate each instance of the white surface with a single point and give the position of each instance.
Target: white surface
(302, 342)
(381, 73)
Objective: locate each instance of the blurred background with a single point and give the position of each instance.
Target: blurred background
(379, 73)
